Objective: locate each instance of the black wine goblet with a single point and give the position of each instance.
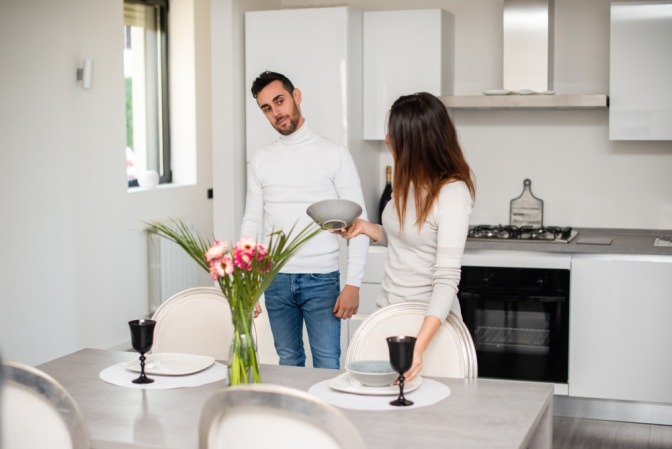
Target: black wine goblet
(142, 338)
(401, 359)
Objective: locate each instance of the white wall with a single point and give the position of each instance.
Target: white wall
(73, 258)
(229, 94)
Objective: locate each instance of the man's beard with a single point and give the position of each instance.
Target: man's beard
(293, 122)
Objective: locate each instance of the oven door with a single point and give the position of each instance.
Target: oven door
(519, 334)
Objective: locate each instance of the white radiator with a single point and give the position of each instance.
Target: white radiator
(170, 271)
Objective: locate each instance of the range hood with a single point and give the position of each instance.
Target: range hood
(528, 65)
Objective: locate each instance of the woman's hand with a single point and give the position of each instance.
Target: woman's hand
(416, 367)
(359, 227)
(430, 325)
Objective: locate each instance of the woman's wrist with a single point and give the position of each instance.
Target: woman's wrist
(374, 232)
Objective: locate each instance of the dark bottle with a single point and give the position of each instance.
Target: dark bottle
(387, 193)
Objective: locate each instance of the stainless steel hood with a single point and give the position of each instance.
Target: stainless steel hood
(528, 45)
(528, 64)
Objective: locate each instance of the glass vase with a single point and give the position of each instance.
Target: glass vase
(243, 360)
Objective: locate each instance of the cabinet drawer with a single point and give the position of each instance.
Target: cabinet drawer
(375, 264)
(367, 298)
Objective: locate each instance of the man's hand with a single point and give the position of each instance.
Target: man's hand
(257, 310)
(347, 302)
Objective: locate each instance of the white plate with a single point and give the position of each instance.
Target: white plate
(347, 384)
(527, 92)
(496, 92)
(172, 364)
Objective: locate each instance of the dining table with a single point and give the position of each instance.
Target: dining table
(472, 414)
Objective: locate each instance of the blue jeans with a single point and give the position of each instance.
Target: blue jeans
(292, 299)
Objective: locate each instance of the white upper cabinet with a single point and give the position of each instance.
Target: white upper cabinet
(640, 97)
(404, 52)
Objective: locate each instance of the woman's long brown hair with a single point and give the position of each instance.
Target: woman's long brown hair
(426, 152)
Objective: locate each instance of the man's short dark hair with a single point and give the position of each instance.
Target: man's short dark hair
(267, 78)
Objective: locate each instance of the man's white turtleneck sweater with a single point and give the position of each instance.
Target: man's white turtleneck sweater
(286, 177)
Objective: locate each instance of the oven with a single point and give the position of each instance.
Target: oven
(516, 306)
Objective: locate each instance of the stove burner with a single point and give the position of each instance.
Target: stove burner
(549, 233)
(493, 232)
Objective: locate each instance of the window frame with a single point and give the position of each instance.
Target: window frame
(163, 162)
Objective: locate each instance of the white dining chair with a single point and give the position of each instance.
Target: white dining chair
(194, 321)
(451, 353)
(36, 411)
(272, 416)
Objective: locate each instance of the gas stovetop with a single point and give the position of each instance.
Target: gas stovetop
(545, 234)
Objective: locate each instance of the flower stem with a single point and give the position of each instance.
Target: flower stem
(243, 361)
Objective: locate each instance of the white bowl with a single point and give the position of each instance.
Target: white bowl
(334, 214)
(372, 373)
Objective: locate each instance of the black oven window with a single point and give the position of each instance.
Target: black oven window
(518, 319)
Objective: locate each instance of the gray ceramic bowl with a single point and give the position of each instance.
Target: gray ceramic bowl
(334, 214)
(372, 373)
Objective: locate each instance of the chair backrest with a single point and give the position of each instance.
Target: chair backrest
(36, 411)
(451, 353)
(264, 416)
(194, 321)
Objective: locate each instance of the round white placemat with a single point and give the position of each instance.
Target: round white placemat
(428, 393)
(119, 375)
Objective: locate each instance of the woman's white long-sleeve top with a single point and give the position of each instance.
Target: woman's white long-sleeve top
(424, 264)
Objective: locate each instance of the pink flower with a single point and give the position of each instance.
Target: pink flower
(243, 259)
(246, 244)
(262, 251)
(216, 250)
(221, 267)
(245, 251)
(246, 256)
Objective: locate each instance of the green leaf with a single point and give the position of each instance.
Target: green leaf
(245, 286)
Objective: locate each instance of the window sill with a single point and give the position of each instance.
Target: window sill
(167, 186)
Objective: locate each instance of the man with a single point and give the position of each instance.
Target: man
(285, 178)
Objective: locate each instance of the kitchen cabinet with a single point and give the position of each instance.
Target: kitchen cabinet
(620, 329)
(371, 286)
(404, 52)
(640, 71)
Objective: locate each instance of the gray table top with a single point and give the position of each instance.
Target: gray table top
(478, 413)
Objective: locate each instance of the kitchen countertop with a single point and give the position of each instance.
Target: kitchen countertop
(625, 241)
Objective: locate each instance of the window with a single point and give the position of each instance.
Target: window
(146, 77)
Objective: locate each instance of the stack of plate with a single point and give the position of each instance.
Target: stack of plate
(172, 364)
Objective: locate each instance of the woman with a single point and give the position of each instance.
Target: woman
(425, 225)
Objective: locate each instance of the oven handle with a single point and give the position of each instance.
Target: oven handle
(512, 298)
